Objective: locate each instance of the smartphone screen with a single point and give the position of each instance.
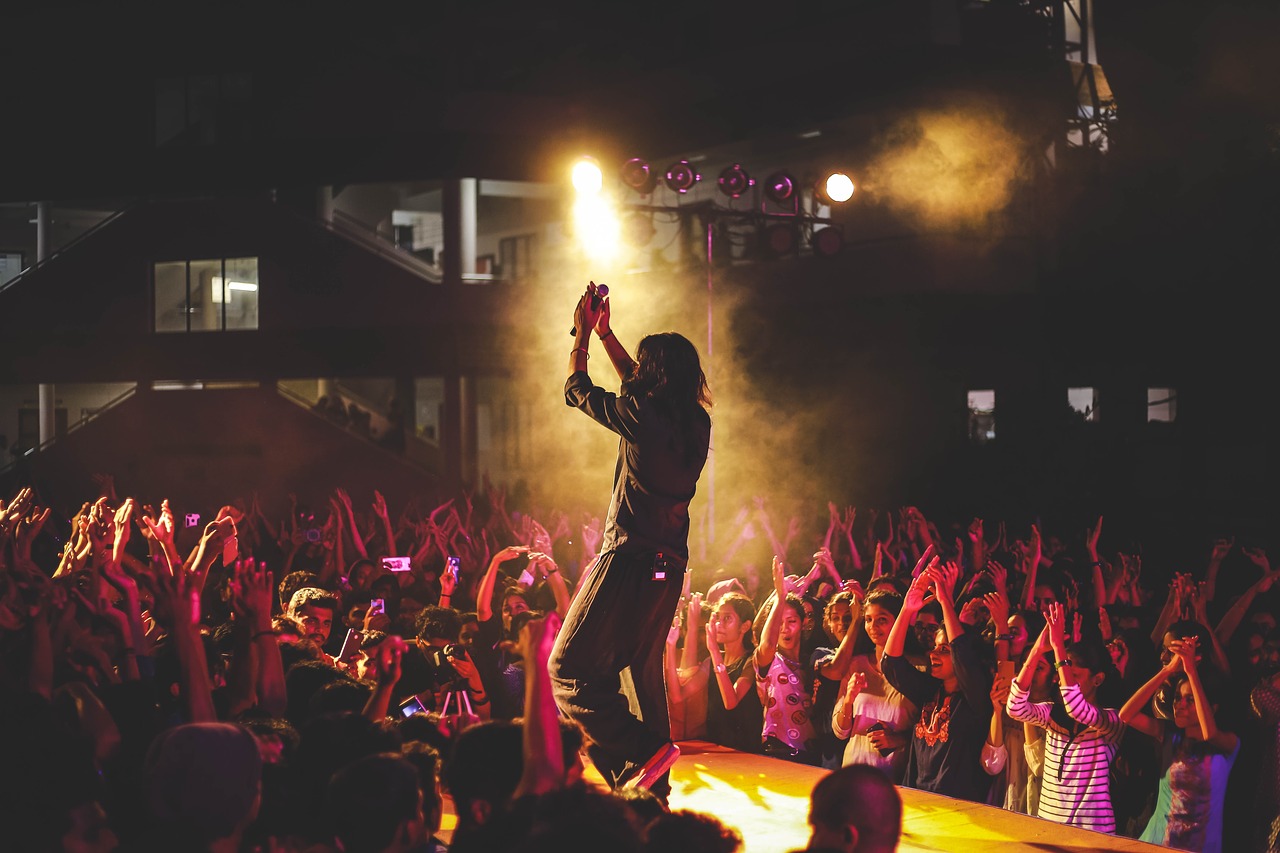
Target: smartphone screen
(452, 567)
(396, 564)
(377, 605)
(411, 706)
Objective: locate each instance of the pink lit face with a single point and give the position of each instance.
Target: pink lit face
(878, 622)
(792, 630)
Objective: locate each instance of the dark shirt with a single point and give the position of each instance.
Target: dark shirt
(655, 478)
(825, 693)
(742, 727)
(946, 744)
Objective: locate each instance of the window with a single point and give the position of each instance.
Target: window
(208, 109)
(206, 295)
(517, 257)
(1162, 404)
(10, 266)
(1084, 401)
(982, 416)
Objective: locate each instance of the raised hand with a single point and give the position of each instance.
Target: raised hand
(918, 593)
(999, 577)
(1056, 619)
(379, 505)
(1258, 557)
(856, 684)
(1091, 539)
(1221, 547)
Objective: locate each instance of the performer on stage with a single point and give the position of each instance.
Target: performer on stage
(620, 617)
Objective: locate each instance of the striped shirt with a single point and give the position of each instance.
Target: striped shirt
(1076, 785)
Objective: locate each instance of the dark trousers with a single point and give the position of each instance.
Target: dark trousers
(619, 619)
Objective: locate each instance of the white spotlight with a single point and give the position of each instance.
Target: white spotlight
(839, 187)
(587, 177)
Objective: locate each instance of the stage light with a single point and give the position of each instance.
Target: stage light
(587, 177)
(734, 181)
(838, 187)
(681, 176)
(780, 239)
(637, 174)
(780, 188)
(827, 242)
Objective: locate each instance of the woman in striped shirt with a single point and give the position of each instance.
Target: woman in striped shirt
(1080, 739)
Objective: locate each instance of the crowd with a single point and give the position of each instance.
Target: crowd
(322, 680)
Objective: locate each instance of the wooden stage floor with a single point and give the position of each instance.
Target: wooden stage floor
(767, 801)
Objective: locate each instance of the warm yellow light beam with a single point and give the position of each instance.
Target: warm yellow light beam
(588, 180)
(839, 187)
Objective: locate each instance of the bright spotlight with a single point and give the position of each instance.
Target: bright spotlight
(587, 177)
(596, 227)
(734, 181)
(681, 176)
(838, 187)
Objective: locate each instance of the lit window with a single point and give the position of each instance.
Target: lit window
(1162, 404)
(1084, 401)
(982, 416)
(206, 295)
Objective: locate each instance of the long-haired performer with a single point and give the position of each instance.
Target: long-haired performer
(620, 616)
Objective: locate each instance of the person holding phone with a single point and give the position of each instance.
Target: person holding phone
(620, 617)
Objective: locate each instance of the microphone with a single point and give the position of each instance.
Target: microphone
(601, 291)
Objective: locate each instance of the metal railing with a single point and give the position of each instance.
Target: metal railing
(347, 226)
(92, 416)
(68, 246)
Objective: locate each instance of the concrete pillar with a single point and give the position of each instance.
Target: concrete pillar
(47, 398)
(467, 222)
(46, 413)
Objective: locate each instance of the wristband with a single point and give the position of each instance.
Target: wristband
(606, 334)
(1005, 637)
(584, 352)
(1060, 664)
(721, 668)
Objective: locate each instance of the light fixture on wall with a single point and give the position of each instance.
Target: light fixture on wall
(734, 181)
(680, 176)
(638, 175)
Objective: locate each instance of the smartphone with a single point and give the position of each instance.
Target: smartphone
(412, 705)
(350, 645)
(192, 519)
(230, 549)
(879, 727)
(452, 567)
(516, 568)
(395, 564)
(377, 606)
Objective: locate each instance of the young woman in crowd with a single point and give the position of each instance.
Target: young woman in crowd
(871, 713)
(1081, 739)
(783, 680)
(954, 695)
(1196, 756)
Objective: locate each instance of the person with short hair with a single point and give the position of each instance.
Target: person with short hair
(855, 809)
(312, 609)
(376, 805)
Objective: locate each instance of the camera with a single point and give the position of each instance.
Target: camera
(192, 519)
(453, 651)
(313, 534)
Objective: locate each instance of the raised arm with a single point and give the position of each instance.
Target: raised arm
(1033, 559)
(773, 625)
(484, 595)
(618, 355)
(543, 750)
(1134, 714)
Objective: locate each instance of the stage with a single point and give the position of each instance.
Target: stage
(767, 800)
